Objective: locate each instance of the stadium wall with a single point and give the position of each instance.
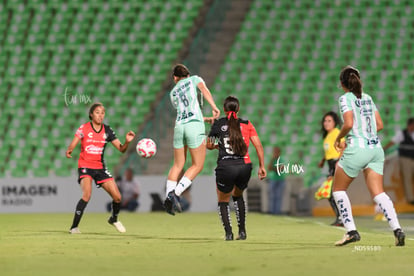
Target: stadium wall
(60, 194)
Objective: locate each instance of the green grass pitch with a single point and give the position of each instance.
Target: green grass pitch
(192, 244)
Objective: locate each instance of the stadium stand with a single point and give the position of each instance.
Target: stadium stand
(58, 56)
(283, 66)
(286, 62)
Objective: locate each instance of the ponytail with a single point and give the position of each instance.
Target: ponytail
(350, 79)
(231, 106)
(355, 85)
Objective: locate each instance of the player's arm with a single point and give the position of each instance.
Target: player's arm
(380, 124)
(72, 145)
(209, 98)
(260, 154)
(123, 147)
(346, 127)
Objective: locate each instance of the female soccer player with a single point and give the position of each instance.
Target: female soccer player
(189, 132)
(94, 136)
(329, 123)
(363, 151)
(231, 136)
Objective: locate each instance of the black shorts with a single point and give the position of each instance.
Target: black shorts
(99, 175)
(228, 176)
(331, 166)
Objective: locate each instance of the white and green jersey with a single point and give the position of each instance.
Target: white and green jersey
(184, 98)
(364, 131)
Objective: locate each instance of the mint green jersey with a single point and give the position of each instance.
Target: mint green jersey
(184, 98)
(364, 131)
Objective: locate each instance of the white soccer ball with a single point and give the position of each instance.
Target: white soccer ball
(146, 148)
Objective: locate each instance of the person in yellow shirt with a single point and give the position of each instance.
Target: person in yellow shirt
(329, 129)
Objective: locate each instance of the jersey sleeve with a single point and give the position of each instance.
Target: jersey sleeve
(344, 104)
(252, 129)
(110, 134)
(214, 130)
(197, 80)
(79, 132)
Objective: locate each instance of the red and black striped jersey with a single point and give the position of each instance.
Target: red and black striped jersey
(93, 143)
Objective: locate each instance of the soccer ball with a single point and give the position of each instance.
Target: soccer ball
(146, 148)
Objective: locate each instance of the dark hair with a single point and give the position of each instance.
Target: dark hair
(351, 79)
(231, 104)
(335, 118)
(410, 121)
(181, 71)
(92, 109)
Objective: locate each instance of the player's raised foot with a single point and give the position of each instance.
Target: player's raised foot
(229, 237)
(351, 236)
(117, 224)
(399, 237)
(168, 206)
(242, 235)
(74, 231)
(175, 201)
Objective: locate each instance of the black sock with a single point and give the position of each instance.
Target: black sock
(80, 207)
(334, 207)
(224, 213)
(116, 207)
(240, 208)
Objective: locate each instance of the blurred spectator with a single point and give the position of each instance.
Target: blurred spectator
(276, 182)
(405, 139)
(129, 189)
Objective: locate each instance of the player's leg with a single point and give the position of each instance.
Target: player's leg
(194, 133)
(172, 200)
(374, 182)
(340, 185)
(243, 173)
(112, 189)
(338, 219)
(224, 213)
(225, 178)
(86, 186)
(331, 173)
(240, 208)
(176, 170)
(198, 156)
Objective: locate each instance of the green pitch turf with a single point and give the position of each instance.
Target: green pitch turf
(192, 244)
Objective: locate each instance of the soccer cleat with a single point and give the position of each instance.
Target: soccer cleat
(117, 224)
(229, 237)
(242, 235)
(175, 202)
(168, 206)
(74, 231)
(351, 236)
(399, 237)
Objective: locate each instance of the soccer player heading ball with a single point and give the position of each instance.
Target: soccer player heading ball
(94, 136)
(189, 132)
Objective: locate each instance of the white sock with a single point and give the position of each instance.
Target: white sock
(387, 207)
(345, 210)
(170, 186)
(184, 183)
